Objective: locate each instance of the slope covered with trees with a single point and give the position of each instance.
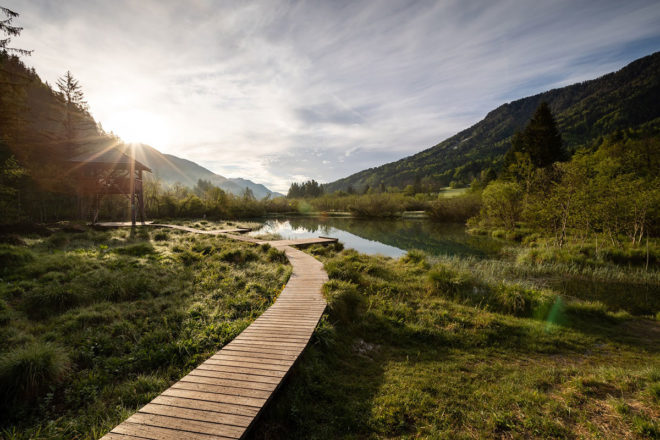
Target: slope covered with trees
(584, 112)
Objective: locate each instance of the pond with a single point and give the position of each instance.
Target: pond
(392, 238)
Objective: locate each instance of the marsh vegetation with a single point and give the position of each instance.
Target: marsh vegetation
(435, 347)
(95, 323)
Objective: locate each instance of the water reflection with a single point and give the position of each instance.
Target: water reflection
(392, 238)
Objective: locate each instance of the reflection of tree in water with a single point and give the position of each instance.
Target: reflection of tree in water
(434, 238)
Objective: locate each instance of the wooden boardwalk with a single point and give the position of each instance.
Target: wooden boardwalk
(222, 397)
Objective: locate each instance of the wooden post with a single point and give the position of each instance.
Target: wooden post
(141, 198)
(132, 186)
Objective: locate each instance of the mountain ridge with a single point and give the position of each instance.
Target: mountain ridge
(171, 169)
(584, 111)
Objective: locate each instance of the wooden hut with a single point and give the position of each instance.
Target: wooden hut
(109, 172)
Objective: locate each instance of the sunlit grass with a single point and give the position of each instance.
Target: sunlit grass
(429, 348)
(96, 323)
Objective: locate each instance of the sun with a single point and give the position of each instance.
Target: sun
(138, 126)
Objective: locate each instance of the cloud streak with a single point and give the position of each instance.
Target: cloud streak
(277, 91)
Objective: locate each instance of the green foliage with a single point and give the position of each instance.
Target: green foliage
(540, 140)
(455, 209)
(307, 189)
(502, 203)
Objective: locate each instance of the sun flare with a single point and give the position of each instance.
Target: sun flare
(138, 126)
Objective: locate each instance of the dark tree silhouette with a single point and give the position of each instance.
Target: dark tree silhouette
(74, 104)
(540, 139)
(9, 30)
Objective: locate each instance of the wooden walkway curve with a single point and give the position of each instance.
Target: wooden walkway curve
(222, 397)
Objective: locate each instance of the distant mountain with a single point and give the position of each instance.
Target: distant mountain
(585, 111)
(32, 121)
(172, 169)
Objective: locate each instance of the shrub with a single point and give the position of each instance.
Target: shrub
(502, 203)
(29, 371)
(455, 209)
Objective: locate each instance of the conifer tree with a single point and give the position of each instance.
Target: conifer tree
(540, 140)
(9, 30)
(74, 104)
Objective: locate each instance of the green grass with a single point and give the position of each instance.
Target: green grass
(95, 324)
(426, 348)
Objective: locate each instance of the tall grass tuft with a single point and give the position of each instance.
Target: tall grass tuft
(14, 256)
(29, 371)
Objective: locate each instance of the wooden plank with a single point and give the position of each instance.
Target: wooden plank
(248, 389)
(157, 433)
(244, 405)
(203, 405)
(196, 414)
(187, 425)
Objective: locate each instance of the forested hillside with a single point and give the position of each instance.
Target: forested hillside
(585, 111)
(42, 127)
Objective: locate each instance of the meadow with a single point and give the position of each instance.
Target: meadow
(424, 347)
(95, 323)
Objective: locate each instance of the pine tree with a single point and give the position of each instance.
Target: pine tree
(74, 104)
(9, 30)
(540, 140)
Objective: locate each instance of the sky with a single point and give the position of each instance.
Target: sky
(283, 91)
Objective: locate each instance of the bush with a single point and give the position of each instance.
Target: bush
(455, 209)
(28, 372)
(502, 203)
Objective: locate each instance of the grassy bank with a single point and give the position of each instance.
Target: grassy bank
(93, 324)
(429, 348)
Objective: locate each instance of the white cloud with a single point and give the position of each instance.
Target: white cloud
(273, 90)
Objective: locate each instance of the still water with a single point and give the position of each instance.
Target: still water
(392, 238)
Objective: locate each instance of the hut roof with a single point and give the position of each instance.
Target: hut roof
(111, 158)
